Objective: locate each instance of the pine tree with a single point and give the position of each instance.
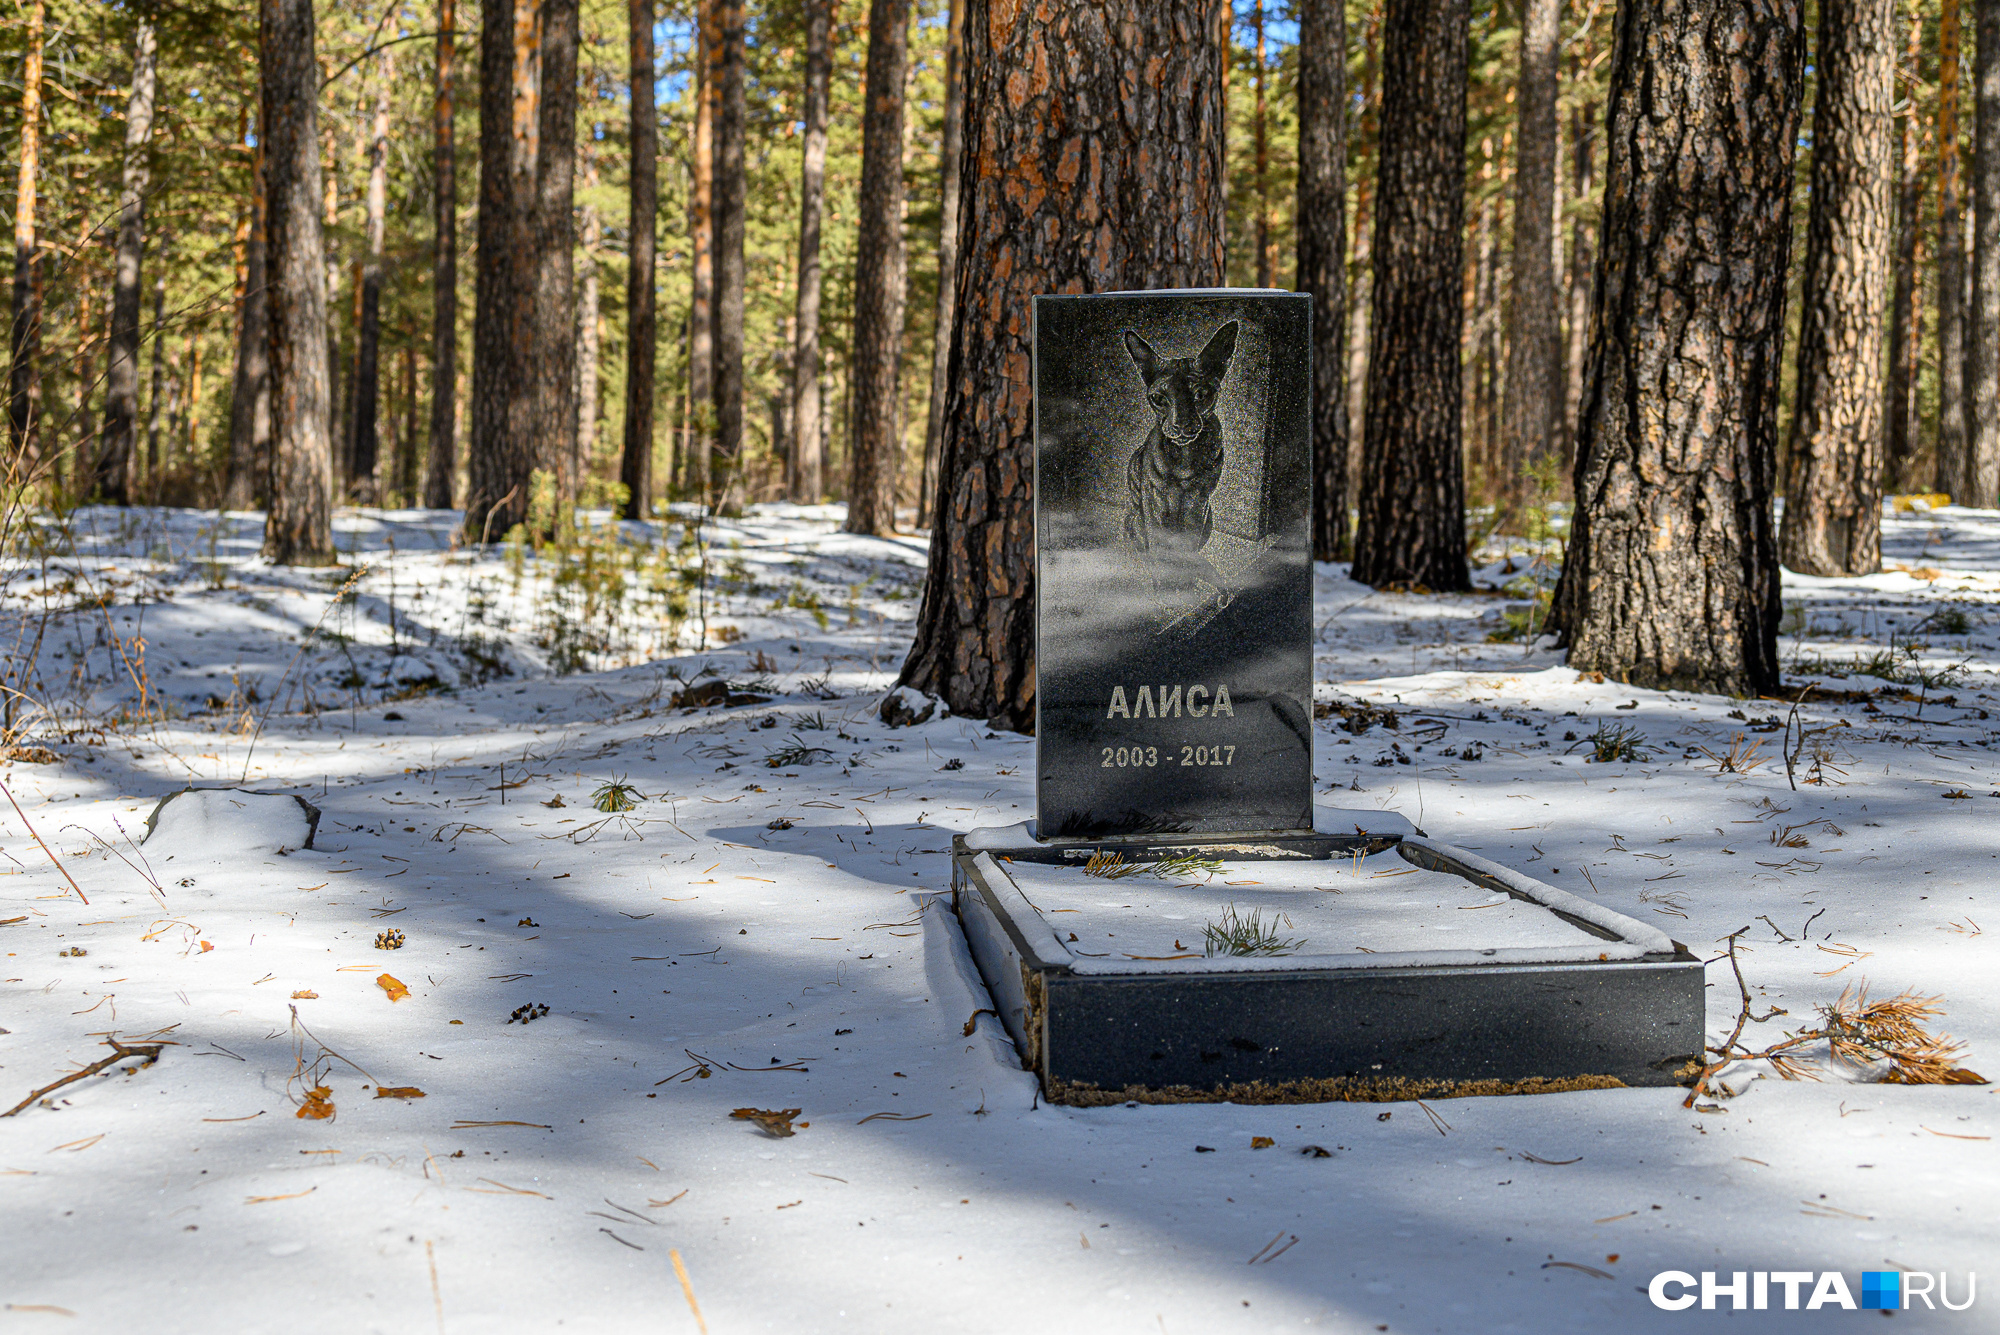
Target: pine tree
(1833, 495)
(1670, 579)
(1412, 528)
(876, 370)
(1145, 210)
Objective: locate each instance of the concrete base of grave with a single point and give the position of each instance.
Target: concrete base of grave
(1613, 1002)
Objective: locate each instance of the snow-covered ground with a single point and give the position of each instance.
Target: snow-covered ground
(770, 908)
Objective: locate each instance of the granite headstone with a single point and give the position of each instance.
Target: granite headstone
(1173, 496)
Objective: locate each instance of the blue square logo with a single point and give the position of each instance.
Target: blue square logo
(1882, 1289)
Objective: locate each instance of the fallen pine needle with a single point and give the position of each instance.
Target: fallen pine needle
(506, 1190)
(50, 1308)
(1571, 1265)
(1821, 1210)
(615, 1238)
(893, 1117)
(1614, 1218)
(252, 1117)
(828, 1176)
(661, 1205)
(1553, 1163)
(79, 1146)
(688, 1289)
(463, 1125)
(437, 1294)
(1953, 1135)
(259, 1200)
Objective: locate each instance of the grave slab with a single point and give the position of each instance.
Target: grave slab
(1173, 494)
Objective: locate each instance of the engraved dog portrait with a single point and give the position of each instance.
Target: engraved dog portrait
(1171, 477)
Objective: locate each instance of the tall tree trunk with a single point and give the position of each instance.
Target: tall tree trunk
(298, 529)
(950, 150)
(701, 259)
(552, 445)
(1361, 303)
(876, 364)
(1582, 271)
(1982, 335)
(368, 339)
(1671, 575)
(1482, 450)
(1412, 528)
(635, 468)
(444, 267)
(1905, 319)
(1260, 140)
(1530, 414)
(121, 381)
(1129, 195)
(504, 449)
(1833, 493)
(1322, 256)
(588, 346)
(1951, 426)
(406, 453)
(726, 474)
(23, 383)
(248, 478)
(153, 404)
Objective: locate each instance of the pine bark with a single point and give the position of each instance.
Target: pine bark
(368, 335)
(1952, 463)
(1322, 256)
(499, 453)
(158, 391)
(725, 484)
(1670, 580)
(806, 485)
(1982, 335)
(1833, 493)
(1899, 435)
(635, 468)
(1530, 413)
(248, 480)
(298, 526)
(1260, 143)
(876, 365)
(951, 149)
(121, 381)
(443, 456)
(552, 444)
(24, 344)
(1096, 163)
(701, 260)
(1412, 528)
(589, 339)
(1582, 272)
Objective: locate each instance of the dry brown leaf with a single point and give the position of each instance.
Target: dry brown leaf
(774, 1123)
(1261, 1142)
(393, 987)
(398, 1092)
(305, 994)
(318, 1105)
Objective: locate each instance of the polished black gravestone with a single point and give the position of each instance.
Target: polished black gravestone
(1173, 498)
(1173, 494)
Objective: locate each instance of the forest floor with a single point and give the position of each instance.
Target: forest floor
(776, 905)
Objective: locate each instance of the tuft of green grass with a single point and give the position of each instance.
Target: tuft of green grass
(1233, 934)
(615, 796)
(798, 753)
(1614, 742)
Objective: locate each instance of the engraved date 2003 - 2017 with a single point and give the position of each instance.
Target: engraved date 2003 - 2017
(1148, 757)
